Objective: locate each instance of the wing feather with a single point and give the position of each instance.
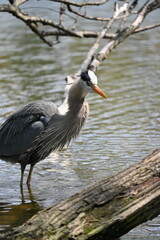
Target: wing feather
(19, 131)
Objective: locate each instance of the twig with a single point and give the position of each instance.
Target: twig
(34, 28)
(32, 21)
(19, 2)
(96, 3)
(61, 13)
(146, 28)
(87, 17)
(84, 34)
(92, 34)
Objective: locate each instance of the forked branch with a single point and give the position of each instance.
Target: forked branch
(70, 12)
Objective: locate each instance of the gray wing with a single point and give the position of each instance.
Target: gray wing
(19, 131)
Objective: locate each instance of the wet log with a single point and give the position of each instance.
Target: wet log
(107, 210)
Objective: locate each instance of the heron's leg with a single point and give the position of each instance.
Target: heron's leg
(30, 174)
(23, 166)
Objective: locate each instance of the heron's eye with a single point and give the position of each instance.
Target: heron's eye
(85, 77)
(89, 77)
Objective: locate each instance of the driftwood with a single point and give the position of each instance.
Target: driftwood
(106, 210)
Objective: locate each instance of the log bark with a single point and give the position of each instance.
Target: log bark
(106, 210)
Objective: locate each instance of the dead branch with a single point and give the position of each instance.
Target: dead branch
(68, 9)
(94, 3)
(85, 16)
(146, 28)
(85, 34)
(101, 35)
(124, 33)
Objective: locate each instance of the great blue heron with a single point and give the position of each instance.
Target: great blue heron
(30, 134)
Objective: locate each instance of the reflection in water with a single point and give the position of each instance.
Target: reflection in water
(13, 215)
(119, 131)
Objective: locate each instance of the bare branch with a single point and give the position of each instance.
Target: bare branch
(60, 28)
(85, 16)
(94, 3)
(61, 13)
(5, 8)
(19, 2)
(25, 17)
(32, 21)
(84, 34)
(146, 28)
(101, 35)
(92, 34)
(34, 28)
(126, 32)
(152, 6)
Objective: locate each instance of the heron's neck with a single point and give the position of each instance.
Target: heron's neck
(75, 103)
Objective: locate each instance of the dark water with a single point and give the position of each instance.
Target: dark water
(119, 132)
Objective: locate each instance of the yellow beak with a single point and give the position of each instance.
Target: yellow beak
(99, 91)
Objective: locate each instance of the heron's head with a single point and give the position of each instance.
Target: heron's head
(90, 82)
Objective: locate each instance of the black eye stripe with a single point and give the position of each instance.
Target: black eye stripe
(85, 77)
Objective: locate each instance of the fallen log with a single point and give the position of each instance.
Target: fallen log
(107, 210)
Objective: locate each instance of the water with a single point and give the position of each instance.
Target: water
(119, 132)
